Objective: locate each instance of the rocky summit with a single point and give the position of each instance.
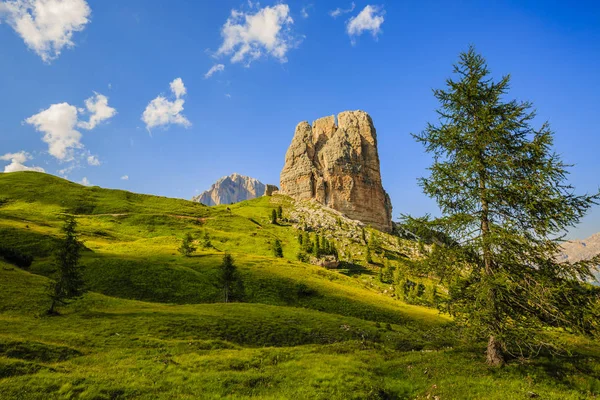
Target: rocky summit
(338, 165)
(231, 189)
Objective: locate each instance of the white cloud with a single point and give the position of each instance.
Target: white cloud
(304, 11)
(85, 181)
(46, 26)
(125, 177)
(161, 111)
(93, 160)
(213, 69)
(99, 109)
(16, 162)
(59, 122)
(339, 11)
(228, 95)
(248, 36)
(369, 19)
(58, 125)
(66, 171)
(178, 88)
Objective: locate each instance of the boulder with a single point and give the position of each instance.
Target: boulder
(270, 190)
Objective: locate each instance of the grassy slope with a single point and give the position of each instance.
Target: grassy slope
(333, 343)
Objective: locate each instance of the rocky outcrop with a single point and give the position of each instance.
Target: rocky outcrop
(231, 189)
(270, 190)
(338, 165)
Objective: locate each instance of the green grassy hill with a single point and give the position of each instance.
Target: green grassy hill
(152, 325)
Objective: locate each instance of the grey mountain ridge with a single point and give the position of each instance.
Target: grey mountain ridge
(577, 250)
(231, 189)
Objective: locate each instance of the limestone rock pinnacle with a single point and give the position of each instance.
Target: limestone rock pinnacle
(338, 165)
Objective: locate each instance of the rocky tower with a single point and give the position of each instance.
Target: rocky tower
(339, 167)
(231, 189)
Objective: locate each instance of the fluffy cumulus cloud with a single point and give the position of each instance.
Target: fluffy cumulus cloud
(339, 11)
(17, 161)
(85, 181)
(248, 36)
(46, 26)
(125, 177)
(162, 112)
(369, 19)
(58, 123)
(99, 110)
(178, 88)
(213, 69)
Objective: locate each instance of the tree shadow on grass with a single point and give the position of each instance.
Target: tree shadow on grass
(351, 269)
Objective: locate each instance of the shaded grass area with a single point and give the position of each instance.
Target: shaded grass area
(103, 348)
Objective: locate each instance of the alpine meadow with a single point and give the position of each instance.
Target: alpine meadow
(430, 248)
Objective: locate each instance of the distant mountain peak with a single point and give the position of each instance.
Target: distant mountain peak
(576, 250)
(231, 189)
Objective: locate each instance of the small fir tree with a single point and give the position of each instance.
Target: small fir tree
(68, 284)
(206, 243)
(307, 243)
(274, 216)
(277, 249)
(279, 212)
(187, 245)
(228, 280)
(368, 257)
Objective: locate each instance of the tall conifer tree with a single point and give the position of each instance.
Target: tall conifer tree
(505, 201)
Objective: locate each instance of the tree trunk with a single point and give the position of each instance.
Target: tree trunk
(494, 355)
(51, 311)
(485, 226)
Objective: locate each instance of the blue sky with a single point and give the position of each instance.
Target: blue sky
(123, 55)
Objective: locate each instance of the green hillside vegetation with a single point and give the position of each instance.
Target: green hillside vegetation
(153, 324)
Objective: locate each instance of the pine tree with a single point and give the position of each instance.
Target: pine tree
(306, 243)
(368, 257)
(273, 216)
(505, 203)
(206, 243)
(279, 212)
(375, 243)
(277, 249)
(68, 283)
(300, 237)
(187, 245)
(228, 280)
(317, 246)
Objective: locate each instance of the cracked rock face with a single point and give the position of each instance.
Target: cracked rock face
(338, 165)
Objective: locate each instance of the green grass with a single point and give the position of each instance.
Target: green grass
(152, 325)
